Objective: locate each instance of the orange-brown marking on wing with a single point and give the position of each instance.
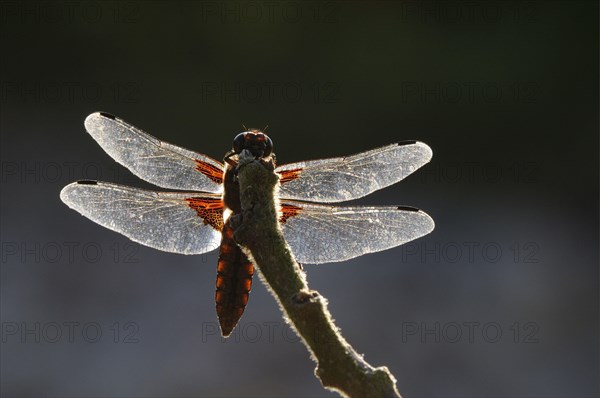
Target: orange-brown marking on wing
(212, 172)
(288, 211)
(210, 210)
(289, 175)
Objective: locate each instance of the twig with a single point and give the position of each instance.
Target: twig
(257, 230)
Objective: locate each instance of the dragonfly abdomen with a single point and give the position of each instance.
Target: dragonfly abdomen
(234, 282)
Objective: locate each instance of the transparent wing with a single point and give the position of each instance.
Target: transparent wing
(155, 161)
(178, 222)
(351, 177)
(322, 234)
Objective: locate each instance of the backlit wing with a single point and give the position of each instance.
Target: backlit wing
(322, 234)
(351, 177)
(155, 161)
(178, 222)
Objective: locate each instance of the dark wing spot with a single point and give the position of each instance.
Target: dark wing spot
(408, 208)
(108, 115)
(408, 142)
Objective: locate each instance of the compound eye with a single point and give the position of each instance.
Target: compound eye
(238, 142)
(268, 146)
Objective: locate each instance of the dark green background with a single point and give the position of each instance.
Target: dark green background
(505, 93)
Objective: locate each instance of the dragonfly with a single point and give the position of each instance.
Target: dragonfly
(195, 217)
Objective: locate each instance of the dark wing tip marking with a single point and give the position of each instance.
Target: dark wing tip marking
(87, 182)
(108, 115)
(408, 208)
(407, 142)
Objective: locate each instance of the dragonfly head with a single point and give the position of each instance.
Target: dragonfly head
(257, 142)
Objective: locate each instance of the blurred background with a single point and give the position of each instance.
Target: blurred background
(500, 300)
